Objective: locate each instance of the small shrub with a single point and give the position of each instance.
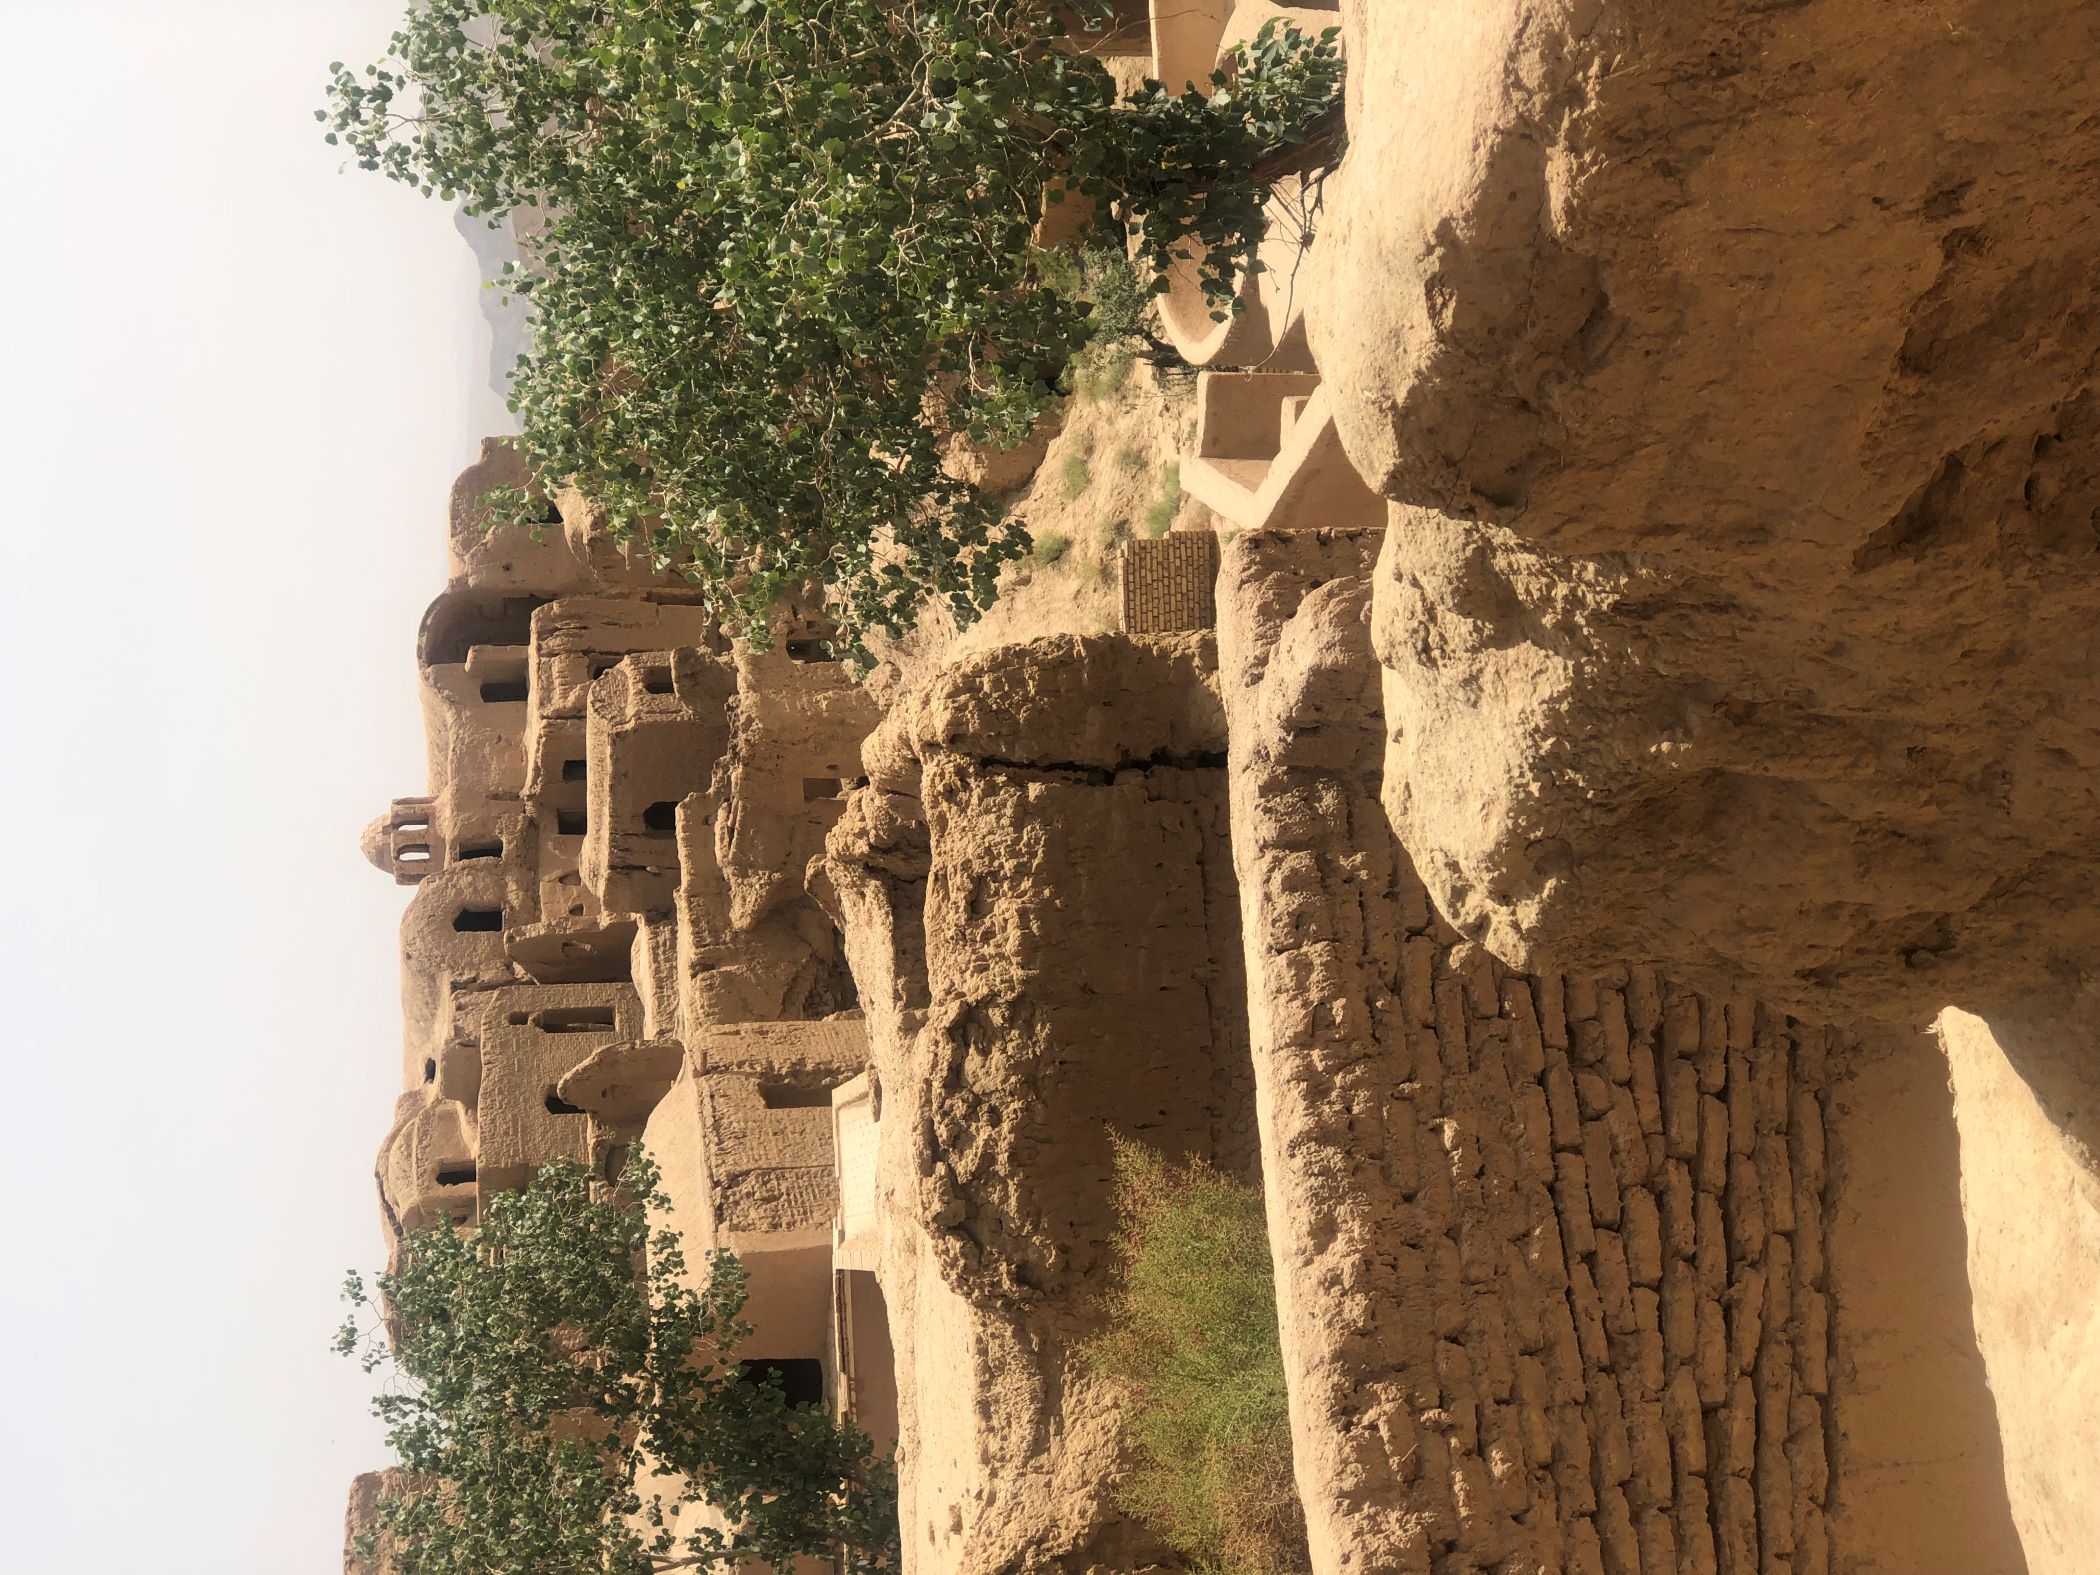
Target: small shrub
(1120, 298)
(1160, 515)
(1103, 371)
(1130, 459)
(1192, 1341)
(1075, 476)
(1050, 546)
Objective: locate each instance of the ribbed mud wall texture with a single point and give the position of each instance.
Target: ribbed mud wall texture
(1167, 583)
(1551, 1253)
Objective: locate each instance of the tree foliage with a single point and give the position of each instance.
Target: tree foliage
(558, 1394)
(1191, 1339)
(768, 237)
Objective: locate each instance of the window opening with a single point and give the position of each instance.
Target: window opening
(455, 1175)
(558, 1106)
(799, 1378)
(808, 651)
(504, 691)
(477, 921)
(415, 853)
(793, 1096)
(482, 850)
(570, 822)
(575, 771)
(816, 789)
(662, 816)
(430, 1070)
(657, 681)
(575, 1019)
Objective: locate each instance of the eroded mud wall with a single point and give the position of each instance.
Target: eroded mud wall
(1554, 1256)
(1037, 896)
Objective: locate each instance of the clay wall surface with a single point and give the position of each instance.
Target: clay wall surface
(1730, 370)
(1037, 900)
(656, 725)
(2033, 1210)
(1556, 1258)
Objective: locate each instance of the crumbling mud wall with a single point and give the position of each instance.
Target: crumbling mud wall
(1037, 895)
(1730, 368)
(1575, 1273)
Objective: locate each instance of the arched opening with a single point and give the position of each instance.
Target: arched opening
(661, 818)
(558, 1106)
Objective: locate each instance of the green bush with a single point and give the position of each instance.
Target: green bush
(1076, 476)
(788, 248)
(1103, 369)
(537, 1363)
(1192, 1340)
(1049, 547)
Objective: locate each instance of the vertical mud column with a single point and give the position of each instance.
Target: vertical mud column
(1554, 1256)
(1039, 907)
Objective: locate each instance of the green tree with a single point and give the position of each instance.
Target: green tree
(788, 243)
(557, 1394)
(1191, 1340)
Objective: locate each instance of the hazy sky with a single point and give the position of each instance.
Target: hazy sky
(234, 387)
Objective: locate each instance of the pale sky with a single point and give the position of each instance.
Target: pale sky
(234, 388)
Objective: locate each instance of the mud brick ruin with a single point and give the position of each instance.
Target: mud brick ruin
(1611, 852)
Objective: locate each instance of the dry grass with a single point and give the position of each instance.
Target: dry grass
(1192, 1341)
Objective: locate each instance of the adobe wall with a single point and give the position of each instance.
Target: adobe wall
(1730, 371)
(1587, 1274)
(1037, 898)
(2033, 1207)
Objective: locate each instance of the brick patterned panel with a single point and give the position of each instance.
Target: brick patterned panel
(1169, 584)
